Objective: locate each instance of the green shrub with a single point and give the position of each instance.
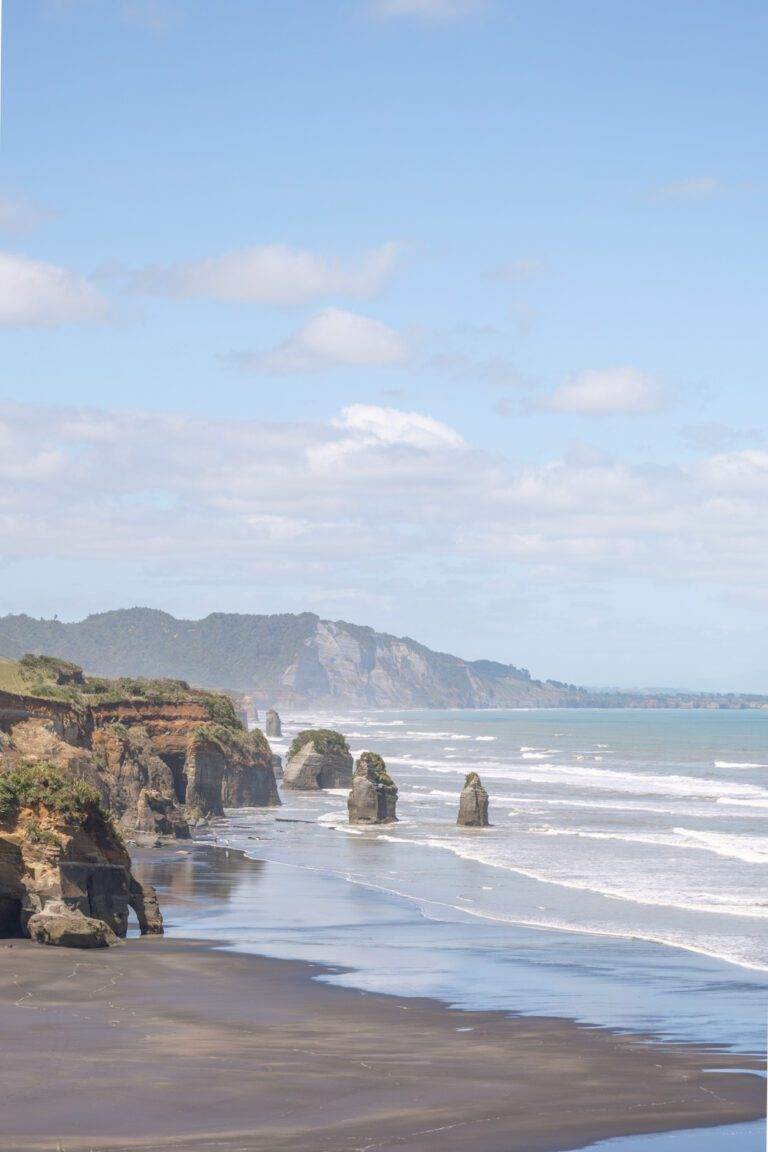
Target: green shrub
(221, 711)
(470, 779)
(36, 834)
(31, 784)
(325, 740)
(368, 760)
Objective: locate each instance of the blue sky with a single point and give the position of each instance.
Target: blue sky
(442, 316)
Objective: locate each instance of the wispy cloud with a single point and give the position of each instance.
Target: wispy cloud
(157, 16)
(521, 269)
(494, 371)
(715, 437)
(372, 485)
(37, 294)
(18, 216)
(275, 274)
(438, 11)
(606, 393)
(333, 338)
(692, 188)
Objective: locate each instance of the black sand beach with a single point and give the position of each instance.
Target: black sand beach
(162, 1044)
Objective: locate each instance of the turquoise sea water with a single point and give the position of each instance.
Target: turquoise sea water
(623, 882)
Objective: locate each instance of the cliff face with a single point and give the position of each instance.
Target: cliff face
(299, 660)
(65, 874)
(289, 660)
(155, 760)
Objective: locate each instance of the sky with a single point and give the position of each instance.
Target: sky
(442, 316)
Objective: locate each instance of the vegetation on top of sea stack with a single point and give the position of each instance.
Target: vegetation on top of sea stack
(325, 740)
(34, 785)
(471, 779)
(371, 760)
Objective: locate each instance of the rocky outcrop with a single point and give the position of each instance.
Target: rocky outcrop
(158, 752)
(277, 766)
(473, 803)
(58, 926)
(318, 758)
(65, 873)
(273, 725)
(373, 797)
(159, 815)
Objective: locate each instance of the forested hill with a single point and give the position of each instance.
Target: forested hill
(301, 659)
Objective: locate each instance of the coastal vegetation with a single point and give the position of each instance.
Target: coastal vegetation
(302, 659)
(48, 786)
(326, 742)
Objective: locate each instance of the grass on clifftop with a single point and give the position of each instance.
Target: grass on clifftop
(326, 742)
(11, 679)
(49, 678)
(31, 785)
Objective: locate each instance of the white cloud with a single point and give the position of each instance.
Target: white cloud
(437, 10)
(373, 490)
(333, 338)
(693, 188)
(390, 426)
(278, 275)
(18, 217)
(37, 294)
(606, 393)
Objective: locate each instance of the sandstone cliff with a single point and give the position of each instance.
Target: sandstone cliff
(65, 874)
(157, 752)
(318, 758)
(373, 797)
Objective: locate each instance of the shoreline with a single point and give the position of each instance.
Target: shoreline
(177, 1044)
(168, 1043)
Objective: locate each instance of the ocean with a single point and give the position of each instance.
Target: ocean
(622, 883)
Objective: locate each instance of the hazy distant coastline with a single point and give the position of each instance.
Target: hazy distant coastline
(300, 659)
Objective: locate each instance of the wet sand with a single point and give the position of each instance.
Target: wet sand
(167, 1044)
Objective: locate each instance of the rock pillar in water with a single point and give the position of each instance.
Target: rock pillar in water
(473, 803)
(273, 725)
(373, 799)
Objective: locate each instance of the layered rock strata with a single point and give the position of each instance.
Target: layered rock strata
(159, 753)
(65, 873)
(373, 797)
(318, 758)
(473, 803)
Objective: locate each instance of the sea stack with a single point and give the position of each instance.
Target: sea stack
(373, 799)
(473, 803)
(273, 726)
(318, 758)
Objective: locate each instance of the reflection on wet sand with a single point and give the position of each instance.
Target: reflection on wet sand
(199, 874)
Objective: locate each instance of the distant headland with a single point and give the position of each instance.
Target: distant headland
(302, 660)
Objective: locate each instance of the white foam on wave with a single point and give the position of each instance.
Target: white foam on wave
(748, 849)
(737, 764)
(472, 850)
(607, 779)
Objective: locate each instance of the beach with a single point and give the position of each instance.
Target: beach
(165, 1044)
(321, 991)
